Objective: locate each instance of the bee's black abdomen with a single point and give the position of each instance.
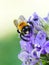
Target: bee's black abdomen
(22, 37)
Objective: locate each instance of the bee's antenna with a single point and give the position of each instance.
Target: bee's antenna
(31, 23)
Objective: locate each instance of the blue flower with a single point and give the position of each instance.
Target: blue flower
(28, 58)
(41, 43)
(35, 19)
(40, 38)
(46, 46)
(37, 43)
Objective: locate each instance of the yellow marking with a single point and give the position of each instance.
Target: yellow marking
(21, 25)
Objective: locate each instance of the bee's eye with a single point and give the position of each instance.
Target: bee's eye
(30, 23)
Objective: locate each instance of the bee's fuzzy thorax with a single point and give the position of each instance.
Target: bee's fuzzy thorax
(21, 25)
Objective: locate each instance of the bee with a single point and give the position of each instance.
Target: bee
(23, 28)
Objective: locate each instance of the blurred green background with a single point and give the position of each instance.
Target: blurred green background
(9, 50)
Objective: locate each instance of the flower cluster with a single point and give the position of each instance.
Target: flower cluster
(38, 43)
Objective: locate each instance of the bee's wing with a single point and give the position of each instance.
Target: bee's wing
(16, 22)
(22, 18)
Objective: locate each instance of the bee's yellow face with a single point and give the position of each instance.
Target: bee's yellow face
(21, 25)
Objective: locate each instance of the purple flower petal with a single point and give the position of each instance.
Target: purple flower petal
(35, 16)
(35, 19)
(23, 56)
(35, 53)
(27, 59)
(40, 38)
(46, 18)
(32, 39)
(26, 46)
(47, 46)
(43, 51)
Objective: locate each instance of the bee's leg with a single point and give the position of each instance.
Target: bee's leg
(30, 23)
(22, 37)
(18, 31)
